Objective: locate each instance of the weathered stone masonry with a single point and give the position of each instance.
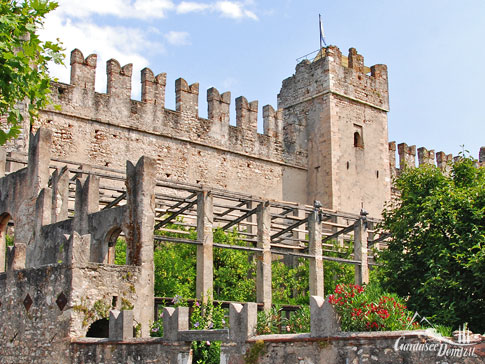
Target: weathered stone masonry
(326, 141)
(306, 152)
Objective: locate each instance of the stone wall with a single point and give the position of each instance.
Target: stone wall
(134, 351)
(351, 348)
(35, 319)
(107, 129)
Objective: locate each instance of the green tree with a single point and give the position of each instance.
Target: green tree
(23, 61)
(436, 255)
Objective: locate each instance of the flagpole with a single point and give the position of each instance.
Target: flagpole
(320, 29)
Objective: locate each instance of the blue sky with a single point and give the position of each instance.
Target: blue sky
(434, 51)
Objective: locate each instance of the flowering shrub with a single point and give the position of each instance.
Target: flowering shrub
(369, 309)
(206, 317)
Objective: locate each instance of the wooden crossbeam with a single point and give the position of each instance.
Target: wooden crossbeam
(379, 239)
(115, 202)
(340, 232)
(283, 214)
(175, 214)
(240, 218)
(178, 204)
(289, 228)
(231, 209)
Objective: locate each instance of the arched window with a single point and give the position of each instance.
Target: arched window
(358, 142)
(6, 239)
(116, 247)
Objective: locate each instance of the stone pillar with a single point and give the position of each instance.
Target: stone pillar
(263, 271)
(39, 159)
(60, 194)
(247, 115)
(139, 223)
(3, 242)
(324, 320)
(269, 121)
(360, 250)
(120, 325)
(16, 257)
(205, 263)
(174, 320)
(3, 162)
(87, 202)
(242, 321)
(78, 249)
(315, 249)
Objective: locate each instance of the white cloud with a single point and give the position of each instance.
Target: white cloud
(127, 45)
(178, 38)
(234, 10)
(75, 24)
(189, 7)
(151, 9)
(140, 9)
(226, 8)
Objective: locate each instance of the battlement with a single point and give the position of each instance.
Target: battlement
(331, 72)
(79, 99)
(407, 158)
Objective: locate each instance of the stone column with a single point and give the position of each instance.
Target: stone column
(263, 271)
(3, 162)
(360, 250)
(315, 249)
(87, 202)
(139, 222)
(60, 194)
(205, 263)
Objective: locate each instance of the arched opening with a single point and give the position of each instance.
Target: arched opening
(116, 247)
(99, 328)
(6, 238)
(358, 142)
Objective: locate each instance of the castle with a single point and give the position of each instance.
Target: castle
(69, 191)
(326, 141)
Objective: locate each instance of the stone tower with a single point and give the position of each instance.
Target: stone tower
(335, 111)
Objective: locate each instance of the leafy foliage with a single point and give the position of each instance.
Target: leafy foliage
(120, 251)
(436, 255)
(291, 285)
(274, 322)
(23, 61)
(206, 317)
(234, 270)
(368, 308)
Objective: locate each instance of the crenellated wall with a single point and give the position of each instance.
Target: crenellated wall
(406, 157)
(326, 141)
(106, 129)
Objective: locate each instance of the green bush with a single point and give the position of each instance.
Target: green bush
(436, 252)
(274, 322)
(368, 308)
